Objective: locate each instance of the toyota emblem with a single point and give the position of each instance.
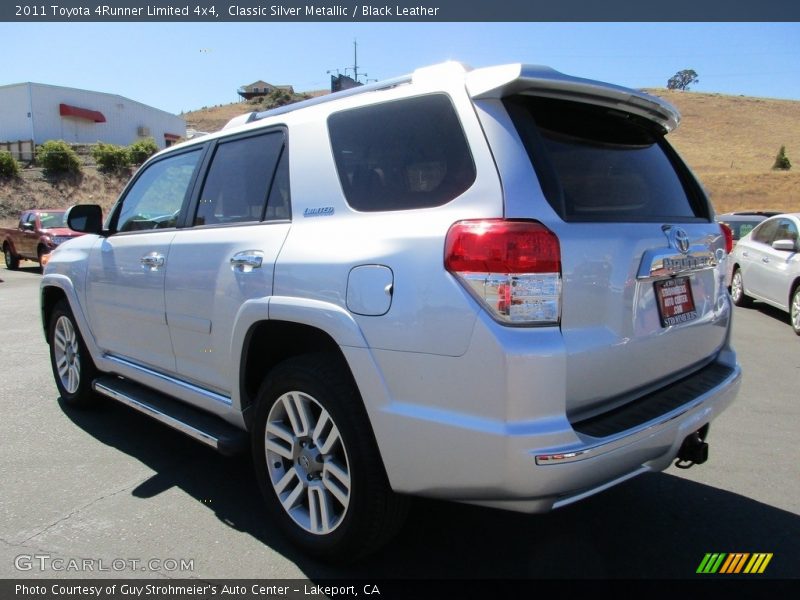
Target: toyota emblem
(679, 239)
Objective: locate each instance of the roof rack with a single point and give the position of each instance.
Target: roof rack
(362, 89)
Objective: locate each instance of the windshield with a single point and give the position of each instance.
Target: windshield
(52, 219)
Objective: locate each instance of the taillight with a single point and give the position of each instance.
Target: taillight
(512, 267)
(727, 233)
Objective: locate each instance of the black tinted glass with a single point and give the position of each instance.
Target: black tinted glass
(601, 164)
(400, 155)
(238, 180)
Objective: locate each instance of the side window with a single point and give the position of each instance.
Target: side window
(156, 198)
(786, 231)
(239, 179)
(278, 205)
(766, 232)
(400, 155)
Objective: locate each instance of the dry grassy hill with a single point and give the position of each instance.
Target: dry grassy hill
(214, 118)
(729, 141)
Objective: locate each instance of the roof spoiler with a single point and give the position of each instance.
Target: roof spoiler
(499, 82)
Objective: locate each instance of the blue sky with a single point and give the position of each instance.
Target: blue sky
(185, 66)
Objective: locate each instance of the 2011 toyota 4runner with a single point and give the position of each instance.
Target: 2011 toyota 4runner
(498, 286)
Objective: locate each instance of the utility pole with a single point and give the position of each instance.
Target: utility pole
(355, 60)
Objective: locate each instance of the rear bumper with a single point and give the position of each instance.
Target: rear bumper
(491, 428)
(568, 474)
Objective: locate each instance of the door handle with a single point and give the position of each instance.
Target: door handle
(765, 259)
(153, 261)
(246, 261)
(745, 253)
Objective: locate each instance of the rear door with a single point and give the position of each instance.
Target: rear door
(757, 256)
(29, 237)
(126, 274)
(777, 265)
(226, 254)
(642, 297)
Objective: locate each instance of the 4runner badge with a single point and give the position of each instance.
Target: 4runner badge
(324, 211)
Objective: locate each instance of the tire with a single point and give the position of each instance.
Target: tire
(73, 369)
(317, 462)
(794, 310)
(40, 253)
(737, 290)
(12, 262)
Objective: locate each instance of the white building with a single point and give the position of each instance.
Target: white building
(38, 112)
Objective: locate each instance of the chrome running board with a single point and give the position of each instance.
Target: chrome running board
(201, 426)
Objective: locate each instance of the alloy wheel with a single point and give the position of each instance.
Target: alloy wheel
(307, 462)
(736, 286)
(67, 354)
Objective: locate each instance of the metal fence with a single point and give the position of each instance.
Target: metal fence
(22, 150)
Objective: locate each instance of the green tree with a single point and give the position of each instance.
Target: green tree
(57, 157)
(9, 167)
(142, 150)
(682, 80)
(782, 161)
(110, 157)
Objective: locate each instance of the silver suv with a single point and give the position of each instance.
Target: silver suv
(497, 286)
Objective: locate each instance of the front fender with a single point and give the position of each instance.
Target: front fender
(64, 284)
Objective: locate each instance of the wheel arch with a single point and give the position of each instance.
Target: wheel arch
(50, 296)
(53, 288)
(792, 288)
(270, 342)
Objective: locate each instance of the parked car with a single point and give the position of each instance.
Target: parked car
(743, 222)
(739, 224)
(35, 236)
(498, 286)
(766, 266)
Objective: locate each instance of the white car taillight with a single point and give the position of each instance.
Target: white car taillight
(512, 267)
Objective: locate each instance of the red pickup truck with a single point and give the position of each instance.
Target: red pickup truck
(38, 232)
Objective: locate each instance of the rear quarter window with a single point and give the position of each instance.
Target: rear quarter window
(599, 164)
(401, 155)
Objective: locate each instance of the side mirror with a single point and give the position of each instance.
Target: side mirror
(85, 218)
(785, 245)
(27, 226)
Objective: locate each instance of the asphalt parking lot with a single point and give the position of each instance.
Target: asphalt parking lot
(112, 485)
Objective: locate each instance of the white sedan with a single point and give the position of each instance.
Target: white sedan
(766, 266)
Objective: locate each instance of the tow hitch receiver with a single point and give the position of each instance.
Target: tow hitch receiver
(694, 450)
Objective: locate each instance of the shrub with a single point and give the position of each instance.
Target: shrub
(57, 157)
(142, 150)
(279, 98)
(8, 166)
(110, 157)
(782, 161)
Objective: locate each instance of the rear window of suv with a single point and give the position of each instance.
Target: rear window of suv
(401, 155)
(600, 164)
